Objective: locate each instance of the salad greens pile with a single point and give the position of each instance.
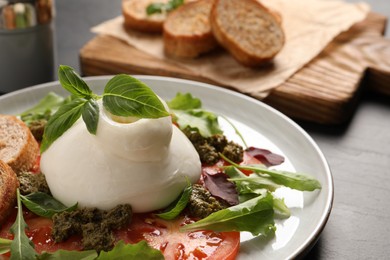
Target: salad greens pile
(126, 96)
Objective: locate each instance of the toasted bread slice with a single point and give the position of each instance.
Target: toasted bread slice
(136, 18)
(187, 32)
(248, 30)
(18, 147)
(8, 185)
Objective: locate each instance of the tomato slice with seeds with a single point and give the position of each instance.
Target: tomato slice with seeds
(160, 234)
(165, 236)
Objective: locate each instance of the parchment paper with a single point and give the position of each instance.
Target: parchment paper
(309, 26)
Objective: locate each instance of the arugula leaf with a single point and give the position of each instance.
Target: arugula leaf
(184, 102)
(280, 208)
(61, 121)
(188, 114)
(250, 186)
(235, 130)
(297, 181)
(255, 215)
(44, 205)
(141, 250)
(5, 245)
(73, 83)
(43, 109)
(178, 205)
(127, 96)
(203, 121)
(163, 7)
(69, 255)
(90, 115)
(22, 248)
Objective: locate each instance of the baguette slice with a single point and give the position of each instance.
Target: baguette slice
(187, 32)
(136, 18)
(248, 30)
(18, 147)
(8, 185)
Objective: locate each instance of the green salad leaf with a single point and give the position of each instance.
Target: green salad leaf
(163, 7)
(43, 109)
(189, 114)
(177, 206)
(141, 250)
(250, 186)
(5, 245)
(184, 102)
(255, 215)
(297, 181)
(128, 96)
(44, 205)
(22, 248)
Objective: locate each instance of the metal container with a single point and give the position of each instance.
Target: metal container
(26, 43)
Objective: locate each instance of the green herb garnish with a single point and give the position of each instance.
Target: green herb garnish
(44, 205)
(22, 248)
(43, 110)
(189, 114)
(179, 205)
(297, 181)
(5, 245)
(122, 96)
(163, 7)
(255, 215)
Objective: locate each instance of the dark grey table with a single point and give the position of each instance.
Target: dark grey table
(358, 152)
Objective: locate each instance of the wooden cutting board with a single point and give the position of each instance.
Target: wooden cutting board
(325, 91)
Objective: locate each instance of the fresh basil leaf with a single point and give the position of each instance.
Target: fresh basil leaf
(203, 121)
(61, 121)
(255, 215)
(127, 96)
(141, 250)
(90, 115)
(44, 205)
(297, 181)
(184, 102)
(73, 83)
(22, 248)
(69, 255)
(5, 245)
(178, 205)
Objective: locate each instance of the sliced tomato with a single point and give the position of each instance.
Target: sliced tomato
(165, 236)
(160, 234)
(39, 231)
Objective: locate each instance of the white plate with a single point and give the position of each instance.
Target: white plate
(262, 126)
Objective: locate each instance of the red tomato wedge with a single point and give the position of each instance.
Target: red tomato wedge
(160, 234)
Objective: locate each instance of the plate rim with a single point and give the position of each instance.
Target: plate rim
(310, 241)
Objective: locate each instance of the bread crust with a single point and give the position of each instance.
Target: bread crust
(187, 32)
(136, 18)
(260, 35)
(18, 147)
(8, 185)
